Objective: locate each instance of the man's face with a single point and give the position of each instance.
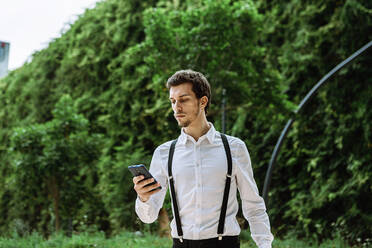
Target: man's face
(185, 104)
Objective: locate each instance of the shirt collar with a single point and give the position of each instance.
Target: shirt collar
(210, 135)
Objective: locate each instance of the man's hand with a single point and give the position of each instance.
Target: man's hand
(142, 190)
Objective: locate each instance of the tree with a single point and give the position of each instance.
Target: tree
(55, 158)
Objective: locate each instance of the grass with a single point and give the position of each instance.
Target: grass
(133, 240)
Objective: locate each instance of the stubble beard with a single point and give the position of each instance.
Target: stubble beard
(184, 124)
(187, 122)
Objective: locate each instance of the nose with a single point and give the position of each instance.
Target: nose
(177, 107)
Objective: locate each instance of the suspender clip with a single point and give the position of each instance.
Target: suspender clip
(171, 177)
(219, 236)
(181, 239)
(227, 175)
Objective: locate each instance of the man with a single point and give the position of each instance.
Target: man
(198, 178)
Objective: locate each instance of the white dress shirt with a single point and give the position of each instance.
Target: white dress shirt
(199, 173)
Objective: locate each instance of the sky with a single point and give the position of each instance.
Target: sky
(29, 25)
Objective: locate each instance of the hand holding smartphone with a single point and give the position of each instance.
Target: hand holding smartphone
(142, 190)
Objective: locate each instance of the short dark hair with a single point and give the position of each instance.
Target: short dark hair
(200, 85)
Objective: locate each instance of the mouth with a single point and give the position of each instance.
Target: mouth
(179, 116)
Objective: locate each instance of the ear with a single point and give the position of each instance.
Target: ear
(203, 102)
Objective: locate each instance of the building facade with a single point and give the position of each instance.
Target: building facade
(4, 58)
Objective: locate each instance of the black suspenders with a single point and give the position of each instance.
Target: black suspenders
(173, 192)
(221, 223)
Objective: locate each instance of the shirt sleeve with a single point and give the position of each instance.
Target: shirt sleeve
(253, 206)
(148, 211)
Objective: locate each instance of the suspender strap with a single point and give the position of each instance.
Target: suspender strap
(221, 223)
(173, 192)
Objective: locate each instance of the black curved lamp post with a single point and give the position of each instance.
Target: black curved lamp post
(299, 108)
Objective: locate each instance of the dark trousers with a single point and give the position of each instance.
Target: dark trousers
(226, 242)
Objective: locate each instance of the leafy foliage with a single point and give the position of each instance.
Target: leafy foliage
(54, 161)
(323, 183)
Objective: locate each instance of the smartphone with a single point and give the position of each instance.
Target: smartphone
(140, 169)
